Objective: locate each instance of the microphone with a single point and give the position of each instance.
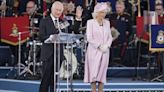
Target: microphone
(64, 24)
(61, 25)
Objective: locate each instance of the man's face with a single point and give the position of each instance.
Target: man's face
(119, 8)
(30, 8)
(57, 11)
(159, 9)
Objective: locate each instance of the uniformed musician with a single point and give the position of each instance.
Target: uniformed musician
(121, 21)
(160, 13)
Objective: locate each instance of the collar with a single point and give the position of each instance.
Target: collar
(53, 18)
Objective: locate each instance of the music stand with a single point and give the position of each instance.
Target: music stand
(61, 38)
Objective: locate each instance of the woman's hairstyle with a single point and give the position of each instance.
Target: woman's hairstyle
(99, 7)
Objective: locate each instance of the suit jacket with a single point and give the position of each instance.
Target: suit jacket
(47, 28)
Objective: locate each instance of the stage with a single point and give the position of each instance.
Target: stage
(113, 84)
(121, 82)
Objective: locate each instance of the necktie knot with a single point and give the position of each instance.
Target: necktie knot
(55, 21)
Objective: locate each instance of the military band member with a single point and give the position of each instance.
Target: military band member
(121, 21)
(160, 13)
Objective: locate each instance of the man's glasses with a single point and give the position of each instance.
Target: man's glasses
(158, 9)
(29, 7)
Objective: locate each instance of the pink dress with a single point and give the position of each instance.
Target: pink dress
(96, 62)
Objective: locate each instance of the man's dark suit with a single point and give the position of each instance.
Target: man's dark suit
(47, 28)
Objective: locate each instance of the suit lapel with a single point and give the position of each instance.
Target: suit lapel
(51, 25)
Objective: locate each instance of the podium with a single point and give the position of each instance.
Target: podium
(62, 38)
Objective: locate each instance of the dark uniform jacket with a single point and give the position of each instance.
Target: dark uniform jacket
(122, 23)
(161, 19)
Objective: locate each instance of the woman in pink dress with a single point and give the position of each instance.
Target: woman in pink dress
(99, 41)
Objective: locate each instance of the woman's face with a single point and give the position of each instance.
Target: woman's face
(101, 14)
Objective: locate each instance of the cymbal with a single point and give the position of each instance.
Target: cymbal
(35, 28)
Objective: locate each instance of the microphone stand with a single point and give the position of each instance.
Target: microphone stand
(33, 39)
(19, 53)
(137, 77)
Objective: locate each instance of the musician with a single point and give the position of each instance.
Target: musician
(47, 30)
(160, 12)
(2, 6)
(32, 11)
(6, 8)
(121, 21)
(71, 14)
(34, 19)
(99, 41)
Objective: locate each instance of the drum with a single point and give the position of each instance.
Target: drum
(72, 65)
(33, 49)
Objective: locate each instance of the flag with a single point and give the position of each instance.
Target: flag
(11, 26)
(140, 31)
(157, 38)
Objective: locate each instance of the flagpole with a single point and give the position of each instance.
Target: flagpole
(132, 8)
(139, 9)
(139, 46)
(86, 3)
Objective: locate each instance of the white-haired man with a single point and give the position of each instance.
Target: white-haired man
(121, 21)
(47, 29)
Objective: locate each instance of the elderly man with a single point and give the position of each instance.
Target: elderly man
(47, 30)
(34, 17)
(122, 22)
(30, 7)
(6, 8)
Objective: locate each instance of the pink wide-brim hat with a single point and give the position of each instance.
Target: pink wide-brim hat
(100, 7)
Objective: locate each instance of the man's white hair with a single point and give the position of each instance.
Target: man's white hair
(55, 4)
